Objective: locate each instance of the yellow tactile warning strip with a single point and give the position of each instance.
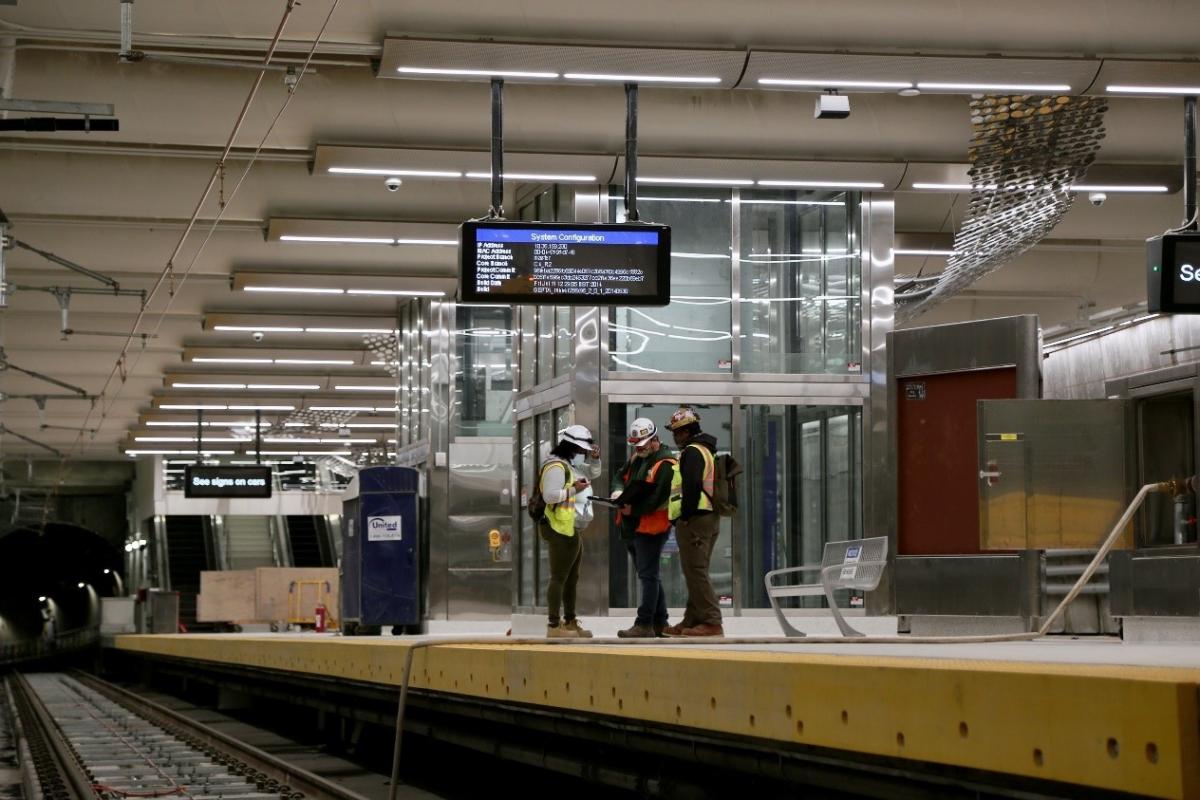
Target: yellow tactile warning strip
(1132, 729)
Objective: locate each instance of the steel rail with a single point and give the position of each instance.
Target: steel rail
(278, 770)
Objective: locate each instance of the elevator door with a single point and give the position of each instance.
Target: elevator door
(1165, 451)
(937, 472)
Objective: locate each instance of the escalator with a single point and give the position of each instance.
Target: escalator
(188, 553)
(310, 542)
(248, 541)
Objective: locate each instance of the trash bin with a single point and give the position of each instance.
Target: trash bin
(380, 569)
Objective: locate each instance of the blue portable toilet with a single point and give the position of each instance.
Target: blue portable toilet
(381, 563)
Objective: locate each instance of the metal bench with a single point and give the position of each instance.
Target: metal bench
(855, 564)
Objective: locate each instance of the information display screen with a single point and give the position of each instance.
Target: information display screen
(1173, 273)
(227, 482)
(626, 264)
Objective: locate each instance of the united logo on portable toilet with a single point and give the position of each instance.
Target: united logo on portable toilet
(384, 529)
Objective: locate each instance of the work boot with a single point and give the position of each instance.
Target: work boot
(672, 630)
(637, 632)
(704, 629)
(659, 628)
(560, 632)
(580, 632)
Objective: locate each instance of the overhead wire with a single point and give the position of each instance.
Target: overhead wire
(168, 271)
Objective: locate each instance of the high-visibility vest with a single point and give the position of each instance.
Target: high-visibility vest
(560, 516)
(658, 520)
(675, 504)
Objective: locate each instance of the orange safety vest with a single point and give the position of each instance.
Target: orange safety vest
(657, 521)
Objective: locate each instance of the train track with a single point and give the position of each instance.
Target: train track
(87, 738)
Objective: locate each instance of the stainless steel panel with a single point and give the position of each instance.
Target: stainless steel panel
(479, 593)
(480, 484)
(878, 231)
(1158, 586)
(983, 344)
(991, 585)
(1076, 465)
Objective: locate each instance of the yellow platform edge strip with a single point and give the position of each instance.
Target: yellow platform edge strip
(1131, 729)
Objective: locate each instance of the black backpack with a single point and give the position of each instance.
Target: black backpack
(537, 504)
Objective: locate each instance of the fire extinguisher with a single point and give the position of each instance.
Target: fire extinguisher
(320, 616)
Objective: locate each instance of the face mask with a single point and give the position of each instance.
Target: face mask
(577, 460)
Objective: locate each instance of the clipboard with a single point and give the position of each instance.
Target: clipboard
(607, 501)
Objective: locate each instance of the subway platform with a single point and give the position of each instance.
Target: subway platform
(1057, 716)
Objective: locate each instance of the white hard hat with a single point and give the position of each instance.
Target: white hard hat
(577, 435)
(641, 432)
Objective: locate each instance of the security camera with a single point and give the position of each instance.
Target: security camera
(393, 184)
(1097, 198)
(257, 336)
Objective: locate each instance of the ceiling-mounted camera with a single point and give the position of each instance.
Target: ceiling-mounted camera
(1097, 198)
(393, 184)
(257, 336)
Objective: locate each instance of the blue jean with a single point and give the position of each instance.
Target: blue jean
(646, 551)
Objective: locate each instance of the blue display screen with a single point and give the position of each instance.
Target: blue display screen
(565, 264)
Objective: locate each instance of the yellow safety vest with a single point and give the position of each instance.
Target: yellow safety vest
(560, 516)
(675, 504)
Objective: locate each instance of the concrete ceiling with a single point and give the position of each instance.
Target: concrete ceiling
(118, 202)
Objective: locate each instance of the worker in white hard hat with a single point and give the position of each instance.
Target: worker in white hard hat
(558, 484)
(645, 483)
(696, 525)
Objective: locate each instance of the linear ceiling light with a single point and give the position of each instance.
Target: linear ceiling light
(744, 201)
(208, 407)
(700, 181)
(437, 242)
(278, 387)
(363, 425)
(177, 452)
(299, 453)
(357, 388)
(321, 361)
(604, 76)
(835, 83)
(918, 252)
(476, 73)
(364, 409)
(316, 290)
(1125, 89)
(403, 173)
(951, 187)
(286, 440)
(193, 424)
(535, 176)
(208, 385)
(995, 87)
(262, 329)
(826, 184)
(349, 330)
(337, 239)
(185, 439)
(1096, 187)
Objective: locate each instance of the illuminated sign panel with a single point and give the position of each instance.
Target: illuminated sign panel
(227, 482)
(626, 264)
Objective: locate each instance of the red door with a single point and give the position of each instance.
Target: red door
(937, 461)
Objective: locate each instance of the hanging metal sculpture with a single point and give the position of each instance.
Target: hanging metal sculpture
(1026, 152)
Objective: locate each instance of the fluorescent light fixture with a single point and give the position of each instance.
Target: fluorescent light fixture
(367, 409)
(279, 387)
(202, 360)
(1081, 336)
(177, 452)
(436, 242)
(926, 252)
(951, 187)
(337, 239)
(643, 198)
(364, 425)
(404, 173)
(996, 87)
(208, 385)
(262, 408)
(744, 201)
(1125, 89)
(349, 330)
(835, 83)
(192, 424)
(321, 361)
(396, 292)
(353, 388)
(285, 440)
(699, 181)
(475, 73)
(698, 255)
(1097, 187)
(292, 289)
(185, 439)
(604, 76)
(826, 184)
(190, 407)
(533, 176)
(259, 328)
(299, 453)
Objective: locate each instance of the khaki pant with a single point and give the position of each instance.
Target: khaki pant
(697, 537)
(565, 554)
